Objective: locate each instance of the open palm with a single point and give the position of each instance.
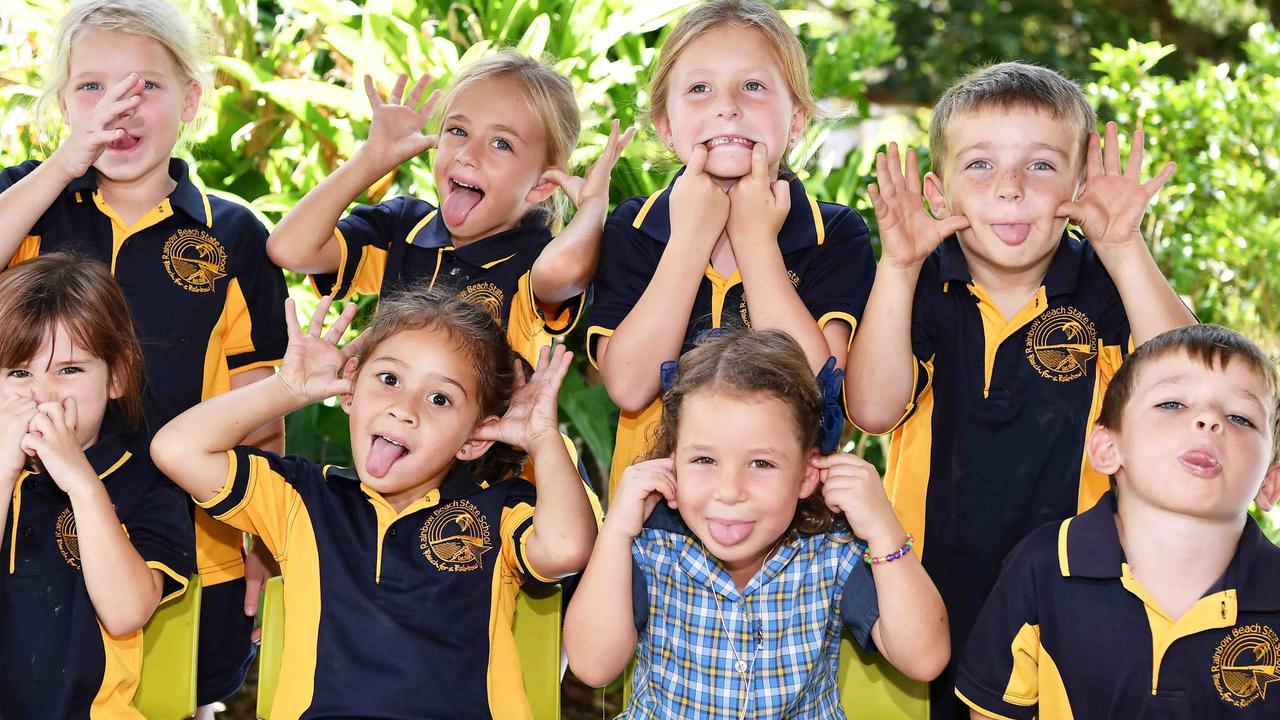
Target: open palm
(908, 233)
(312, 362)
(532, 413)
(1114, 200)
(395, 133)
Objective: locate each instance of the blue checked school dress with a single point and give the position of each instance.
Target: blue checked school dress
(708, 651)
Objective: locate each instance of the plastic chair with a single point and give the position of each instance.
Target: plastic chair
(872, 689)
(536, 628)
(167, 686)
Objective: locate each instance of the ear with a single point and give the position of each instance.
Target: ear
(1104, 454)
(1269, 493)
(936, 195)
(812, 475)
(663, 126)
(348, 374)
(799, 120)
(540, 191)
(474, 448)
(115, 390)
(191, 102)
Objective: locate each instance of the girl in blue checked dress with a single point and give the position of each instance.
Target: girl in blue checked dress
(730, 563)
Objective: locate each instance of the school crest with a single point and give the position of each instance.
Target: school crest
(64, 534)
(1244, 665)
(742, 306)
(455, 537)
(486, 295)
(194, 260)
(1061, 343)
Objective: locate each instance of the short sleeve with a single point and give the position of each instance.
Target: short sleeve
(364, 237)
(529, 329)
(628, 259)
(159, 528)
(260, 493)
(859, 605)
(999, 671)
(256, 335)
(10, 177)
(836, 286)
(516, 528)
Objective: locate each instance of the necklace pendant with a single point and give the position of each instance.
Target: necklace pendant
(740, 666)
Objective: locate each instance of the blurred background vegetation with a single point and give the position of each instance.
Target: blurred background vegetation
(1200, 76)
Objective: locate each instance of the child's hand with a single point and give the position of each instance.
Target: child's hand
(16, 414)
(758, 204)
(908, 233)
(52, 437)
(639, 489)
(395, 133)
(593, 186)
(86, 142)
(312, 364)
(699, 207)
(1111, 207)
(531, 417)
(851, 485)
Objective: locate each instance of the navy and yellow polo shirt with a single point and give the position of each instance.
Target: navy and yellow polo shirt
(404, 240)
(825, 247)
(380, 605)
(1069, 632)
(992, 445)
(57, 660)
(206, 301)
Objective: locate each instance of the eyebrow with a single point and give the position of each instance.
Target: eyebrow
(986, 145)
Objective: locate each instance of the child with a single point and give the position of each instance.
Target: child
(734, 603)
(1179, 589)
(991, 333)
(403, 570)
(127, 75)
(95, 538)
(508, 126)
(728, 243)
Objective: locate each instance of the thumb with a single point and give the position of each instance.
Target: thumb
(557, 176)
(782, 194)
(759, 162)
(1071, 210)
(69, 414)
(951, 225)
(698, 160)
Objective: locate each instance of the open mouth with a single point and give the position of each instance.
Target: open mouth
(729, 141)
(124, 144)
(461, 200)
(1011, 233)
(729, 532)
(383, 453)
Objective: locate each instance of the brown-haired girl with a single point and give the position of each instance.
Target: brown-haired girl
(404, 568)
(735, 239)
(95, 538)
(721, 569)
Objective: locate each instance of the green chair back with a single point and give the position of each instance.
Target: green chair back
(167, 687)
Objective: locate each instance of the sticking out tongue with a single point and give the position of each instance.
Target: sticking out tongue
(125, 143)
(729, 533)
(382, 455)
(1012, 233)
(459, 204)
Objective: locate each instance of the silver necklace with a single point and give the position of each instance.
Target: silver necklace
(746, 669)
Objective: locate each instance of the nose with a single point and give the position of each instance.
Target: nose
(403, 414)
(730, 487)
(1010, 185)
(463, 155)
(1208, 423)
(727, 106)
(41, 391)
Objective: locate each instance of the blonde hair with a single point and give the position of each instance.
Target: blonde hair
(154, 19)
(548, 94)
(751, 14)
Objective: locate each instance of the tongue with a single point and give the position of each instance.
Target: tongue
(382, 455)
(459, 204)
(125, 143)
(1012, 233)
(729, 533)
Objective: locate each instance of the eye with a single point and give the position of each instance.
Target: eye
(702, 460)
(1170, 405)
(455, 131)
(388, 378)
(978, 165)
(149, 85)
(71, 370)
(501, 144)
(439, 400)
(90, 86)
(19, 374)
(1241, 421)
(761, 464)
(699, 88)
(1042, 166)
(753, 86)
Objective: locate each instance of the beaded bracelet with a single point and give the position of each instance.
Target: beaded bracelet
(896, 554)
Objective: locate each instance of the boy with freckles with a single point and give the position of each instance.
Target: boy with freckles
(991, 331)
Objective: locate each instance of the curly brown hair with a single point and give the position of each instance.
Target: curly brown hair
(477, 335)
(751, 362)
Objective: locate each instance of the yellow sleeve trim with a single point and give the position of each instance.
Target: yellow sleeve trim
(593, 331)
(342, 268)
(1063, 564)
(911, 405)
(180, 579)
(818, 227)
(226, 485)
(644, 209)
(255, 366)
(979, 708)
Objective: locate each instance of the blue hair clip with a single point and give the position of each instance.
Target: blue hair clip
(709, 334)
(831, 383)
(667, 371)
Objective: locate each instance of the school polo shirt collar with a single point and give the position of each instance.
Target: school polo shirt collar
(802, 229)
(488, 251)
(457, 483)
(1059, 279)
(185, 197)
(1089, 547)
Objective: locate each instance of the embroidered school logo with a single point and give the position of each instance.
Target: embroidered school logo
(455, 537)
(194, 260)
(1245, 664)
(486, 295)
(1060, 344)
(64, 533)
(742, 306)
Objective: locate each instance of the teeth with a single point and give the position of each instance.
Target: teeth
(393, 442)
(469, 187)
(714, 142)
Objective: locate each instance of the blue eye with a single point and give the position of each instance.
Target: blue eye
(388, 378)
(71, 370)
(979, 165)
(1041, 165)
(753, 86)
(148, 85)
(455, 131)
(501, 144)
(699, 88)
(1170, 405)
(90, 86)
(1240, 420)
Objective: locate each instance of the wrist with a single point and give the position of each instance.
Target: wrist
(370, 163)
(82, 486)
(885, 539)
(544, 442)
(60, 166)
(291, 390)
